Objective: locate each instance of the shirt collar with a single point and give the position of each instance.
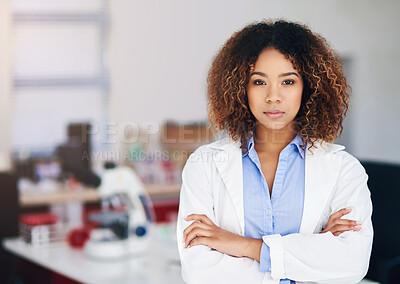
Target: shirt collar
(249, 146)
(296, 142)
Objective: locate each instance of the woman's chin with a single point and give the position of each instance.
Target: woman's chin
(275, 126)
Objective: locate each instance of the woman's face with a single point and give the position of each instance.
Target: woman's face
(274, 91)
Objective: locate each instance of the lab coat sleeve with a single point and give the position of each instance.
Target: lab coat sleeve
(325, 258)
(201, 264)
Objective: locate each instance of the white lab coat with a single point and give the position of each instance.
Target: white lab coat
(212, 184)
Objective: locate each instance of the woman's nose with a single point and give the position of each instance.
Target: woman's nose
(273, 95)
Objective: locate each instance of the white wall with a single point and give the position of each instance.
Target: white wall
(160, 52)
(5, 85)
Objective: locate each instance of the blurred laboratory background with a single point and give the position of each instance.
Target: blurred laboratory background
(102, 102)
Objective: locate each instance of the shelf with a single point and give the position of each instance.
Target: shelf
(87, 195)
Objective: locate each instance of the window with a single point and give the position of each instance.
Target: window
(59, 72)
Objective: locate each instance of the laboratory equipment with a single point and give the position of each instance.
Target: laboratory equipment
(124, 219)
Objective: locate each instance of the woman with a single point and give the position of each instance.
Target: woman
(264, 205)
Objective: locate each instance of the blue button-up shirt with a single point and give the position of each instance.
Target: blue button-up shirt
(280, 213)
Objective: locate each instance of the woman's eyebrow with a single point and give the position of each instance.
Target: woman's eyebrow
(259, 73)
(288, 74)
(281, 75)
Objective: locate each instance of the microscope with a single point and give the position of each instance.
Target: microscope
(124, 220)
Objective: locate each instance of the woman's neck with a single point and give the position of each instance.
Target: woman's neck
(272, 141)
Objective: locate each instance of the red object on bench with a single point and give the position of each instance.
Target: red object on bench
(38, 219)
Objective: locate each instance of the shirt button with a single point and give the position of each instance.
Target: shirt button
(268, 212)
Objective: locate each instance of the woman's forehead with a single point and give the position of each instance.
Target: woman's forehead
(271, 60)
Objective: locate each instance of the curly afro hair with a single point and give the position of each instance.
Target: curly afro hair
(325, 93)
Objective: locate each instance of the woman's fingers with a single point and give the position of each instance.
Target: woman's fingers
(344, 222)
(200, 228)
(337, 230)
(340, 213)
(195, 233)
(193, 226)
(199, 241)
(199, 217)
(337, 226)
(347, 222)
(340, 231)
(340, 226)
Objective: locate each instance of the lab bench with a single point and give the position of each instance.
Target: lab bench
(160, 264)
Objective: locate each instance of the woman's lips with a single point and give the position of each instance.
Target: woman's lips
(274, 114)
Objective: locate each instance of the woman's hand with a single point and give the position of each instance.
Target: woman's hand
(338, 226)
(204, 232)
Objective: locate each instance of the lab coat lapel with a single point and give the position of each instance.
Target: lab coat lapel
(321, 172)
(229, 166)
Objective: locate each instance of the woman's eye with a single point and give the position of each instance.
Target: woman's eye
(288, 82)
(259, 82)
